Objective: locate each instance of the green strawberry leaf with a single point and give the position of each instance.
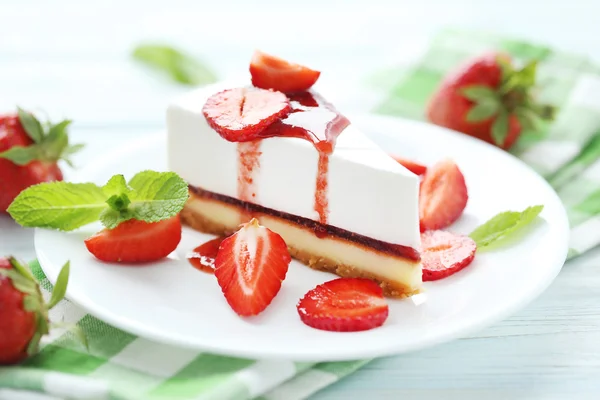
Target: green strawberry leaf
(34, 343)
(58, 205)
(500, 127)
(527, 73)
(56, 141)
(180, 67)
(157, 195)
(31, 303)
(31, 125)
(483, 110)
(479, 93)
(528, 119)
(21, 268)
(20, 282)
(51, 142)
(22, 155)
(75, 330)
(503, 225)
(60, 287)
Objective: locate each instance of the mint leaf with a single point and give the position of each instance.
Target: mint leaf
(157, 195)
(116, 186)
(111, 218)
(21, 155)
(500, 128)
(150, 196)
(503, 225)
(178, 66)
(58, 205)
(118, 201)
(31, 125)
(479, 93)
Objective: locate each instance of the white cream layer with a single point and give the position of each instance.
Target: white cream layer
(369, 193)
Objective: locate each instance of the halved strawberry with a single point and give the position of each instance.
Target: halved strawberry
(250, 266)
(443, 196)
(270, 72)
(136, 241)
(410, 165)
(444, 253)
(241, 114)
(344, 305)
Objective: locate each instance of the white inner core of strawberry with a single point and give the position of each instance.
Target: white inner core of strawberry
(252, 248)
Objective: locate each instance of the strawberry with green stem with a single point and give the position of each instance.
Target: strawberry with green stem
(490, 99)
(29, 153)
(23, 311)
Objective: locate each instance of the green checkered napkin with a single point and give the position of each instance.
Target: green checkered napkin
(566, 152)
(122, 366)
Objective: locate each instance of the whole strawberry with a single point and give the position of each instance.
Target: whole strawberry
(490, 99)
(29, 152)
(23, 312)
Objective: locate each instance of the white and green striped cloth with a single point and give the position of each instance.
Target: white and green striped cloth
(122, 366)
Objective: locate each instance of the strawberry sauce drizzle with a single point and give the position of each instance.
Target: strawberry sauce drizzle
(248, 164)
(203, 256)
(313, 119)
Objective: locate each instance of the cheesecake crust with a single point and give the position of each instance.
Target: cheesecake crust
(390, 289)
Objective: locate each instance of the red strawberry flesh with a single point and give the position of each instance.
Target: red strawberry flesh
(241, 114)
(344, 305)
(17, 326)
(444, 253)
(443, 196)
(136, 241)
(270, 72)
(412, 166)
(250, 266)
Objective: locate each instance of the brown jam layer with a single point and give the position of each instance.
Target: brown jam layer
(389, 248)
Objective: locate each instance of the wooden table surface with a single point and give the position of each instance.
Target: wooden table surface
(70, 58)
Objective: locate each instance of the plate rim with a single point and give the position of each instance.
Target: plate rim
(561, 227)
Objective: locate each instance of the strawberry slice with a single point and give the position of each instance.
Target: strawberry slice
(444, 253)
(136, 241)
(250, 266)
(270, 72)
(410, 165)
(443, 196)
(344, 305)
(241, 114)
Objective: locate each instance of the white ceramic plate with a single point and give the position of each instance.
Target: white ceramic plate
(169, 301)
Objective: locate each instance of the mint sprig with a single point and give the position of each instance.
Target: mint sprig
(149, 196)
(503, 226)
(50, 142)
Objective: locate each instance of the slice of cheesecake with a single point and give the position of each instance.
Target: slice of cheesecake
(340, 203)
